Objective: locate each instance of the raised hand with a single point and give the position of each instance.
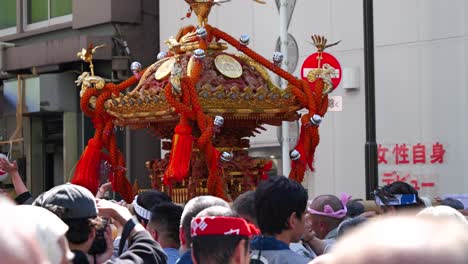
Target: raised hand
(7, 166)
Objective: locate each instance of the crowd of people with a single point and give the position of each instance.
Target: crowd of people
(276, 223)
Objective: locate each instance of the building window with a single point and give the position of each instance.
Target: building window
(7, 17)
(43, 13)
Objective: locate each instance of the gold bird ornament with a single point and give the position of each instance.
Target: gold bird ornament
(320, 42)
(202, 8)
(87, 55)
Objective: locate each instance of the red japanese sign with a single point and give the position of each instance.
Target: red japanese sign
(330, 66)
(411, 163)
(425, 184)
(400, 154)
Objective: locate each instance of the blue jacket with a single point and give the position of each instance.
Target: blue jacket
(272, 251)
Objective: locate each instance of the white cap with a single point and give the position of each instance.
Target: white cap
(48, 229)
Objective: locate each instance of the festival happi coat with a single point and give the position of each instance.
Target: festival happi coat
(208, 102)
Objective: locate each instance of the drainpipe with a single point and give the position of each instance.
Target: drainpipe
(371, 144)
(286, 161)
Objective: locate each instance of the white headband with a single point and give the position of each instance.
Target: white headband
(398, 199)
(142, 212)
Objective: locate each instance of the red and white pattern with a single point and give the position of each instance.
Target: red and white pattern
(221, 225)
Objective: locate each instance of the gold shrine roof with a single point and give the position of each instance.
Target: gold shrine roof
(251, 95)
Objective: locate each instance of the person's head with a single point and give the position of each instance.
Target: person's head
(49, 231)
(326, 212)
(349, 224)
(244, 206)
(144, 201)
(19, 244)
(76, 207)
(219, 237)
(191, 209)
(164, 224)
(426, 201)
(397, 197)
(454, 203)
(401, 240)
(355, 208)
(280, 205)
(442, 212)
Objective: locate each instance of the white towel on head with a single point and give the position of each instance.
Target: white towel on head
(48, 229)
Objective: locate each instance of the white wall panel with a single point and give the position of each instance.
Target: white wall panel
(396, 21)
(442, 19)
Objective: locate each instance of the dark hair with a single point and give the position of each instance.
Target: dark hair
(195, 206)
(387, 192)
(217, 249)
(355, 208)
(454, 203)
(349, 224)
(79, 229)
(148, 199)
(244, 205)
(275, 200)
(165, 218)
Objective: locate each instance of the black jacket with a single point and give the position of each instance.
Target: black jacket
(142, 249)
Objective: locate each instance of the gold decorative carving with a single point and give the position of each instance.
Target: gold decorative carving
(228, 66)
(165, 69)
(151, 106)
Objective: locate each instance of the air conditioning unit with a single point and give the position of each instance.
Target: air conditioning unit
(55, 92)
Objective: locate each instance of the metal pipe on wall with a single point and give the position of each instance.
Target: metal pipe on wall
(371, 144)
(286, 162)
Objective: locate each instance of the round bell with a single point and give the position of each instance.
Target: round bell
(3, 174)
(218, 121)
(277, 58)
(199, 54)
(201, 32)
(227, 156)
(316, 120)
(161, 55)
(244, 39)
(135, 66)
(295, 155)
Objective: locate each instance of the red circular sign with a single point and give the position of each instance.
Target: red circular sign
(3, 174)
(328, 62)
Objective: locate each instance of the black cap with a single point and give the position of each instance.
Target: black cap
(77, 201)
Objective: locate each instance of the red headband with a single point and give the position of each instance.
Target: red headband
(221, 225)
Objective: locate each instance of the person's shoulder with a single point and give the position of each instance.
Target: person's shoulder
(278, 257)
(302, 249)
(293, 257)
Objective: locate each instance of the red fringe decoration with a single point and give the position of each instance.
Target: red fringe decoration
(266, 168)
(87, 169)
(213, 160)
(179, 163)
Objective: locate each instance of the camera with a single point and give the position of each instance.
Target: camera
(99, 245)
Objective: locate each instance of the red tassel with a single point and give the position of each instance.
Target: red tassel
(213, 164)
(266, 168)
(87, 169)
(301, 147)
(179, 163)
